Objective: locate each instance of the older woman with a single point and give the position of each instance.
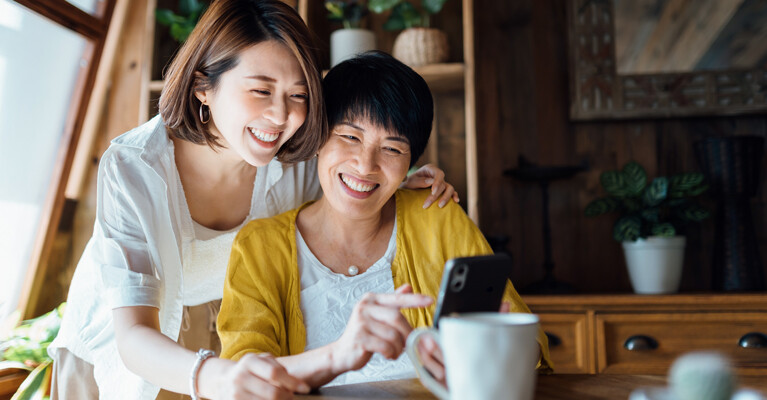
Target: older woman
(316, 286)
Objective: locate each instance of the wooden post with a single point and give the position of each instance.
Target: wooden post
(94, 115)
(472, 169)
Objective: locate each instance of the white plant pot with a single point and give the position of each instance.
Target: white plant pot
(347, 43)
(655, 264)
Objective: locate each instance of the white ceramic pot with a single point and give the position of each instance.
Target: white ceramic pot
(655, 264)
(347, 43)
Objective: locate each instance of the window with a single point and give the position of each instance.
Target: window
(47, 67)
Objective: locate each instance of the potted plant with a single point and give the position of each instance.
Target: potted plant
(650, 224)
(418, 43)
(26, 347)
(351, 40)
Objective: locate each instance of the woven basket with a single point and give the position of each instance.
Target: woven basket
(421, 46)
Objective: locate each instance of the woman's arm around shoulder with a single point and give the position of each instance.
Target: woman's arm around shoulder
(430, 176)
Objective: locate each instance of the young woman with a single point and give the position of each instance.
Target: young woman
(240, 115)
(315, 286)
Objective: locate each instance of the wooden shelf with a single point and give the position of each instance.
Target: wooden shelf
(637, 302)
(443, 77)
(156, 86)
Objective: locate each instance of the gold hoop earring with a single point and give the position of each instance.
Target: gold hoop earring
(204, 110)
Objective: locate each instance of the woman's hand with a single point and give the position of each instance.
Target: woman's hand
(431, 357)
(376, 326)
(254, 376)
(431, 176)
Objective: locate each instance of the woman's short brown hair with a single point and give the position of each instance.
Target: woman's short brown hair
(224, 31)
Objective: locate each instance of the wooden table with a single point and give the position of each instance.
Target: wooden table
(549, 387)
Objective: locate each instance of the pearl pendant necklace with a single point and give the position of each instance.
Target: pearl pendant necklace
(353, 270)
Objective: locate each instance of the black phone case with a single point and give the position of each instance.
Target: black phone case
(472, 284)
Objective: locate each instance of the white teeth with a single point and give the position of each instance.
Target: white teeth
(356, 186)
(264, 136)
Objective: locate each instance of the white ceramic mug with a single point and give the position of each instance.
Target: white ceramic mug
(486, 355)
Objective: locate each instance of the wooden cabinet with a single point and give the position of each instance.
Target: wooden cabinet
(570, 348)
(635, 334)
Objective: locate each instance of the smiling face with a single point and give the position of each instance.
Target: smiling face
(361, 166)
(259, 104)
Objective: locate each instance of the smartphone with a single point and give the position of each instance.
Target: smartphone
(472, 284)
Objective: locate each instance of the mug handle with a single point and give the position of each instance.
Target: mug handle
(423, 374)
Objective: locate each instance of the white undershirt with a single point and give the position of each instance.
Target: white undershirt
(327, 301)
(206, 256)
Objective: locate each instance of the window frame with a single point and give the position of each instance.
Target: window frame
(94, 29)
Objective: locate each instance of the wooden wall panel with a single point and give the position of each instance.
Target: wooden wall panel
(522, 102)
(451, 140)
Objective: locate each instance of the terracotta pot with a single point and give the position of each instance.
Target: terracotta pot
(421, 46)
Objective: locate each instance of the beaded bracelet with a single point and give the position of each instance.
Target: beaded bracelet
(202, 355)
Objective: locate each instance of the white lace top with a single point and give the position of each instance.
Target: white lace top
(204, 263)
(327, 301)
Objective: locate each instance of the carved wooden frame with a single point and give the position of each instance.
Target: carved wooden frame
(598, 92)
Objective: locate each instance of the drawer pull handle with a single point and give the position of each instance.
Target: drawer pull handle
(554, 340)
(640, 342)
(753, 340)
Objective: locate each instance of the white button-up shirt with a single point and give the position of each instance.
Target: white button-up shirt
(134, 257)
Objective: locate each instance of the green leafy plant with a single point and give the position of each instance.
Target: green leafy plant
(660, 208)
(404, 14)
(348, 12)
(181, 24)
(26, 347)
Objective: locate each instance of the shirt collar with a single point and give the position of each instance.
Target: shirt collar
(274, 171)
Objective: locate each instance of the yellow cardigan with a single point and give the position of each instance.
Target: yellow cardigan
(260, 311)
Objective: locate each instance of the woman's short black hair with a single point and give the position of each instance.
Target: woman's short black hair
(378, 88)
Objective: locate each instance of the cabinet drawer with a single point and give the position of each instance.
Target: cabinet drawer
(569, 343)
(671, 334)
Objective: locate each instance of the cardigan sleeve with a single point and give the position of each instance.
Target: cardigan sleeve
(251, 319)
